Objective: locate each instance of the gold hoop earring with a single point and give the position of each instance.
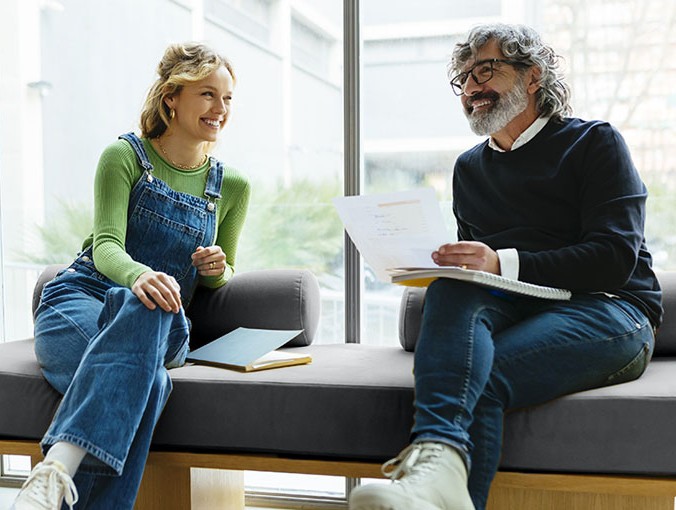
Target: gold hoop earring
(172, 113)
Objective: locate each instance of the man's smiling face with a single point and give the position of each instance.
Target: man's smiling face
(490, 106)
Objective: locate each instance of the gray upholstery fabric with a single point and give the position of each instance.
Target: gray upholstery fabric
(352, 401)
(410, 316)
(356, 402)
(266, 299)
(622, 429)
(27, 401)
(665, 345)
(47, 274)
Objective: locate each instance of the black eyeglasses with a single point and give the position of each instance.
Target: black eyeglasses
(480, 72)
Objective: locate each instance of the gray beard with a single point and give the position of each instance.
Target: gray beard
(509, 105)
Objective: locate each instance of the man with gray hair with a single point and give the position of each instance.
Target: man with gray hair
(546, 199)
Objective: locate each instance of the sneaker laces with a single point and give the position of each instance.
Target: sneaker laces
(414, 461)
(47, 484)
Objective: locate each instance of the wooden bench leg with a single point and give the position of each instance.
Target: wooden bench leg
(214, 489)
(174, 487)
(164, 487)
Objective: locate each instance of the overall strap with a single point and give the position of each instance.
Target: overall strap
(214, 181)
(140, 151)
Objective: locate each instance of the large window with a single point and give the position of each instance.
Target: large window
(75, 73)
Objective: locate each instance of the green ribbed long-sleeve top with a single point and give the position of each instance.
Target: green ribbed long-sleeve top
(117, 173)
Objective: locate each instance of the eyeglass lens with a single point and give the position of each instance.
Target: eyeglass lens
(480, 73)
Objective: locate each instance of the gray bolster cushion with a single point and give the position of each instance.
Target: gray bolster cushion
(48, 273)
(264, 299)
(410, 316)
(665, 341)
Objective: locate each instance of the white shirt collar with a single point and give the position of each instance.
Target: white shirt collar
(524, 137)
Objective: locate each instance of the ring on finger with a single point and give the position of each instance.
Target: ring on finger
(212, 265)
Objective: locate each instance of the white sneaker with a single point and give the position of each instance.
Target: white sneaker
(47, 487)
(426, 476)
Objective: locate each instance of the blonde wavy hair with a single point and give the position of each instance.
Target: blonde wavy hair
(181, 64)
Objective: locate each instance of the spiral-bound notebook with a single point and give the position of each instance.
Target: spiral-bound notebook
(421, 277)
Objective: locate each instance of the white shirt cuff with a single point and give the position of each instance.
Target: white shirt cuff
(509, 263)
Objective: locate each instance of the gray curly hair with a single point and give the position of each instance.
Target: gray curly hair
(521, 43)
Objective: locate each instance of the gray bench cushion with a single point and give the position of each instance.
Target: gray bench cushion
(623, 429)
(352, 401)
(329, 408)
(355, 402)
(27, 401)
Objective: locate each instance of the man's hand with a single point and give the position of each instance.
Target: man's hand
(468, 255)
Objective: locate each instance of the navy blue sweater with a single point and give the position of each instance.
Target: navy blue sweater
(573, 205)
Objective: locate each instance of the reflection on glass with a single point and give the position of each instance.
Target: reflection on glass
(287, 137)
(618, 63)
(285, 133)
(412, 132)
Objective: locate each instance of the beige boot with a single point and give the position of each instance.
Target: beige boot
(426, 476)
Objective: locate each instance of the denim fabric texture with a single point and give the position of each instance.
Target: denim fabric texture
(480, 354)
(107, 353)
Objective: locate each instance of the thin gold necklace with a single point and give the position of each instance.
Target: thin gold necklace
(184, 167)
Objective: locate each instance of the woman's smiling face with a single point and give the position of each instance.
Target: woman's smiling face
(202, 107)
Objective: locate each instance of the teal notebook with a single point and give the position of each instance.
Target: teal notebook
(248, 350)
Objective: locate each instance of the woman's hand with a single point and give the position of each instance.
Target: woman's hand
(468, 255)
(154, 288)
(209, 261)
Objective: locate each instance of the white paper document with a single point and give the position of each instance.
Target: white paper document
(392, 230)
(396, 234)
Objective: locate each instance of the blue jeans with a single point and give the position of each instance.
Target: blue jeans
(480, 353)
(91, 333)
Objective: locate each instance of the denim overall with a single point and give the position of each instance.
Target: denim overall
(107, 353)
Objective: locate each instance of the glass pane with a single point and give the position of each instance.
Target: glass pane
(71, 91)
(287, 137)
(617, 59)
(288, 140)
(411, 131)
(619, 62)
(16, 465)
(260, 481)
(71, 84)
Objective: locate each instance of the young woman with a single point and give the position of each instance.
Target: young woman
(167, 218)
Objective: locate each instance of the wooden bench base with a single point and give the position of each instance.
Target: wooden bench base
(536, 491)
(179, 481)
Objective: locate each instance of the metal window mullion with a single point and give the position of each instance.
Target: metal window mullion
(279, 501)
(352, 161)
